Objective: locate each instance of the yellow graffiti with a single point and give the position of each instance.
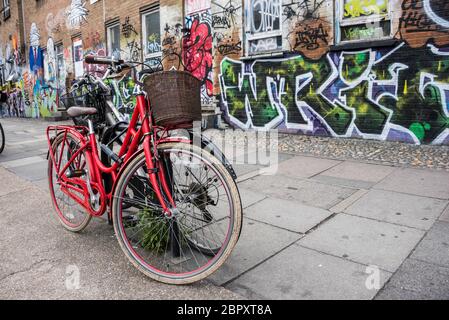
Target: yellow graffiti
(357, 8)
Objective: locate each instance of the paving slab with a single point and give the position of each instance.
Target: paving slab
(427, 183)
(341, 206)
(249, 197)
(445, 215)
(22, 162)
(27, 223)
(311, 275)
(434, 248)
(42, 184)
(263, 158)
(286, 214)
(95, 258)
(417, 280)
(9, 182)
(305, 167)
(32, 172)
(253, 247)
(399, 208)
(355, 174)
(243, 169)
(364, 240)
(306, 192)
(39, 257)
(343, 182)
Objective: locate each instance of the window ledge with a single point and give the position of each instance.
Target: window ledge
(275, 54)
(364, 44)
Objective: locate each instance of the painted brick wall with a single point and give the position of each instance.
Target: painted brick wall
(297, 74)
(394, 89)
(10, 39)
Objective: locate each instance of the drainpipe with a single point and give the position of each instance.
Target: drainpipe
(22, 41)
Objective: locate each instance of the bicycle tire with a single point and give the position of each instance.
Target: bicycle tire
(2, 139)
(61, 216)
(233, 231)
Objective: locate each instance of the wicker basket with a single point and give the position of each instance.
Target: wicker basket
(175, 98)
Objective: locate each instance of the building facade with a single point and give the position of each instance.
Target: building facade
(374, 69)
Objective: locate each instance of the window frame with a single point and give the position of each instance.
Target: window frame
(342, 22)
(250, 36)
(143, 23)
(6, 10)
(109, 27)
(59, 52)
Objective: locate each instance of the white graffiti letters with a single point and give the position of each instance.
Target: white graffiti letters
(266, 15)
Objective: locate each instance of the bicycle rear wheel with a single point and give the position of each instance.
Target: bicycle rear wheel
(198, 238)
(70, 213)
(2, 139)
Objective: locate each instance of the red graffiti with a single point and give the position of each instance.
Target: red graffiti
(198, 53)
(96, 69)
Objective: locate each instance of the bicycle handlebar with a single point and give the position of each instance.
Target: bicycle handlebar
(90, 59)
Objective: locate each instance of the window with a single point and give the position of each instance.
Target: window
(60, 64)
(152, 38)
(263, 26)
(78, 56)
(6, 9)
(364, 20)
(113, 35)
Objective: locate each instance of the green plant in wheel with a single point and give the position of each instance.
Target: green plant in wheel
(155, 230)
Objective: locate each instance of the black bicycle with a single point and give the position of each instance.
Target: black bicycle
(2, 139)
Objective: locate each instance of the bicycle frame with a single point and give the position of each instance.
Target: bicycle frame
(151, 135)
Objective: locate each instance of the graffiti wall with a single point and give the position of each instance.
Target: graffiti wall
(373, 69)
(397, 92)
(198, 44)
(227, 34)
(308, 26)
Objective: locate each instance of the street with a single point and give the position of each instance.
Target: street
(319, 228)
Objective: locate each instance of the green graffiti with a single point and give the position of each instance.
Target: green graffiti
(357, 8)
(386, 93)
(279, 78)
(413, 107)
(355, 65)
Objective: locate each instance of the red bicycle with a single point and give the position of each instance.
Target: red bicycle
(175, 208)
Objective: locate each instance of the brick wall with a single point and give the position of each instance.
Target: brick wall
(10, 39)
(336, 68)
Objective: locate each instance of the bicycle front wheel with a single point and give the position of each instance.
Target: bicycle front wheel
(2, 139)
(198, 238)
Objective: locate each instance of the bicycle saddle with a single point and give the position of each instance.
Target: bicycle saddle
(81, 111)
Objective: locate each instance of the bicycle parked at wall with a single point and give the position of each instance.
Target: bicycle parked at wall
(175, 207)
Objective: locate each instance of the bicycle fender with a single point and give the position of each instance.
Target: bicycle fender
(208, 145)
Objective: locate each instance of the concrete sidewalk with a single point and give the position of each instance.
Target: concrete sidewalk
(318, 229)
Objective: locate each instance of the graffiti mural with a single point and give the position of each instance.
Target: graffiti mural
(197, 51)
(77, 13)
(264, 26)
(309, 26)
(172, 47)
(50, 74)
(130, 47)
(225, 23)
(227, 34)
(358, 8)
(379, 94)
(423, 16)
